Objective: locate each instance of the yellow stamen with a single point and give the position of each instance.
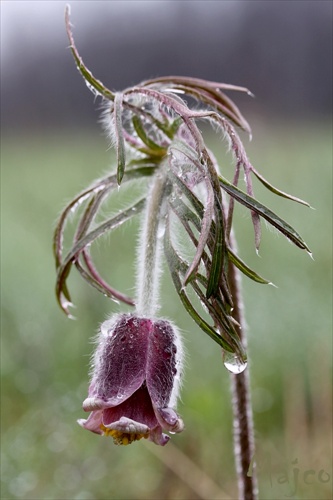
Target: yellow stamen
(122, 438)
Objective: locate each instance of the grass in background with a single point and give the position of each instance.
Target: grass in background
(45, 356)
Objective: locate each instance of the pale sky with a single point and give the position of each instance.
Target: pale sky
(25, 25)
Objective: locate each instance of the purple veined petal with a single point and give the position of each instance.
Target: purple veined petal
(169, 420)
(120, 360)
(137, 407)
(94, 404)
(162, 363)
(157, 437)
(132, 420)
(93, 422)
(128, 426)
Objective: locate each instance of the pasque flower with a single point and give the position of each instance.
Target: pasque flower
(135, 380)
(183, 195)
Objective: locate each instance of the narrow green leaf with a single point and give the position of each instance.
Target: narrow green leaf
(93, 84)
(90, 213)
(59, 230)
(208, 92)
(94, 279)
(171, 257)
(64, 269)
(218, 249)
(264, 212)
(186, 150)
(120, 146)
(195, 202)
(206, 216)
(278, 191)
(245, 269)
(218, 309)
(152, 145)
(105, 183)
(184, 213)
(174, 126)
(62, 293)
(218, 253)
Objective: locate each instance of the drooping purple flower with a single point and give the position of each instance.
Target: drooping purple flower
(135, 380)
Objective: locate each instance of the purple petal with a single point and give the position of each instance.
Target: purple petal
(157, 437)
(93, 422)
(161, 363)
(137, 408)
(169, 419)
(120, 362)
(128, 426)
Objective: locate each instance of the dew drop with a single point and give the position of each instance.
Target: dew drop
(233, 363)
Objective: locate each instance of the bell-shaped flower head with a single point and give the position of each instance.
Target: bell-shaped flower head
(135, 380)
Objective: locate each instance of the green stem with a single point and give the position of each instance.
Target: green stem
(150, 247)
(242, 409)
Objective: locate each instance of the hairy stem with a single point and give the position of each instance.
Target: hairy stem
(242, 409)
(150, 247)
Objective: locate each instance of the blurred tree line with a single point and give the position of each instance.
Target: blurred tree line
(281, 50)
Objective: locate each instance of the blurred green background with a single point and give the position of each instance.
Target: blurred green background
(45, 356)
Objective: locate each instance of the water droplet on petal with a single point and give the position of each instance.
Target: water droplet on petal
(233, 362)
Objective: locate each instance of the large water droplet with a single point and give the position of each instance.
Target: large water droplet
(233, 363)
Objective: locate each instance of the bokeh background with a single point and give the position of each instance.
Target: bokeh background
(52, 146)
